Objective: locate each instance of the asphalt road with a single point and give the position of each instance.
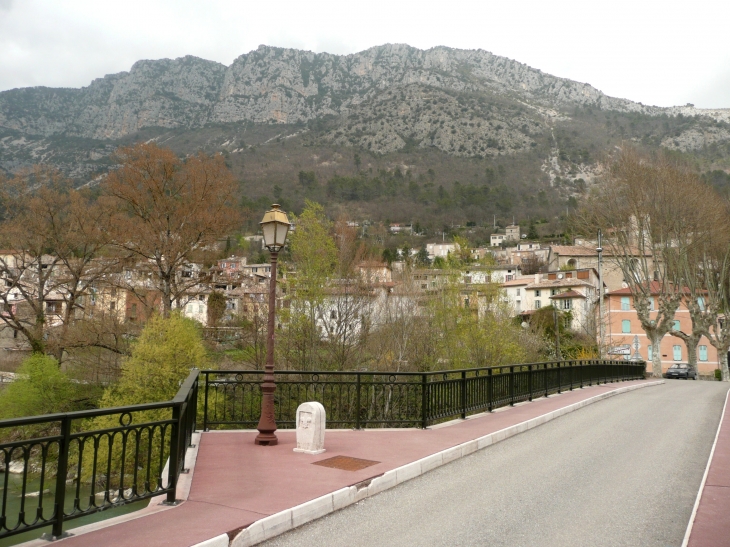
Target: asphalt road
(621, 472)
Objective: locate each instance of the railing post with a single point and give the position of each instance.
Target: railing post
(205, 406)
(590, 373)
(545, 379)
(511, 386)
(463, 394)
(172, 472)
(64, 445)
(490, 390)
(529, 381)
(192, 412)
(582, 372)
(559, 384)
(571, 367)
(424, 401)
(357, 401)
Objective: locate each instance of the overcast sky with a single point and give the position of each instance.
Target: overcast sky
(657, 52)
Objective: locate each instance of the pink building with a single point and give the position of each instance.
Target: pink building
(623, 329)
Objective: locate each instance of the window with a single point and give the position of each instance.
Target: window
(537, 304)
(467, 279)
(537, 293)
(200, 308)
(677, 350)
(650, 354)
(651, 304)
(466, 302)
(553, 292)
(53, 307)
(113, 305)
(566, 304)
(703, 353)
(701, 303)
(675, 325)
(517, 292)
(625, 303)
(518, 306)
(625, 326)
(189, 308)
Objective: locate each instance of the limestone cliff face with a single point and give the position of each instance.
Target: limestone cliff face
(274, 85)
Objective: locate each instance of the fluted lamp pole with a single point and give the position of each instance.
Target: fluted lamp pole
(275, 227)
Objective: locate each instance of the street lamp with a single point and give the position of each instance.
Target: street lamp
(275, 226)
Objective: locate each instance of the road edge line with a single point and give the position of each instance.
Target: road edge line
(688, 532)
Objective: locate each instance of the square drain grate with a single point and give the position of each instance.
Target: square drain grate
(346, 463)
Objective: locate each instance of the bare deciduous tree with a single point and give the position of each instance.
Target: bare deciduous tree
(652, 212)
(171, 212)
(53, 234)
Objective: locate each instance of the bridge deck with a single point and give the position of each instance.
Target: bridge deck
(236, 483)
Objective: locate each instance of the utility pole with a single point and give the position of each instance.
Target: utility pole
(599, 249)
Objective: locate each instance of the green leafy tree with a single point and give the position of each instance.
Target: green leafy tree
(422, 258)
(40, 388)
(314, 255)
(163, 356)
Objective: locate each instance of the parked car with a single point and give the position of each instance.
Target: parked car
(680, 370)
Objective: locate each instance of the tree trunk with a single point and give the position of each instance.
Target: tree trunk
(691, 344)
(723, 366)
(656, 358)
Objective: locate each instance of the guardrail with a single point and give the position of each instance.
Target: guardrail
(398, 399)
(69, 465)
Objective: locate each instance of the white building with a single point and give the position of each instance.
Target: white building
(440, 249)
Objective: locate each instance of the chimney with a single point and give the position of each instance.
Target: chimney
(538, 277)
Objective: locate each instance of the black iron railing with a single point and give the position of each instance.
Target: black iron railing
(65, 466)
(398, 399)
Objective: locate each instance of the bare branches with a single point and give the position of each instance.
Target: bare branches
(170, 212)
(657, 217)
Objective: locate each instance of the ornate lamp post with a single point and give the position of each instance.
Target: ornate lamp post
(275, 227)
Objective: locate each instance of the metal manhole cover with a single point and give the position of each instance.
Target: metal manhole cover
(345, 462)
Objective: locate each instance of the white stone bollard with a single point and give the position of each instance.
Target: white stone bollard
(311, 422)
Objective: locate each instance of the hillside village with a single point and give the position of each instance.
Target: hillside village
(529, 276)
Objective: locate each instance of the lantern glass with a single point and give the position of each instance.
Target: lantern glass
(275, 227)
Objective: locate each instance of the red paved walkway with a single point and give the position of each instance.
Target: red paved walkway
(236, 483)
(711, 527)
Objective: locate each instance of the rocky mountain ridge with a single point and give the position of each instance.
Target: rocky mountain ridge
(392, 132)
(275, 85)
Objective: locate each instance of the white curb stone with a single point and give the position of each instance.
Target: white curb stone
(218, 541)
(301, 514)
(408, 472)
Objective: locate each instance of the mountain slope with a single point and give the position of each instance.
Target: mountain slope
(441, 117)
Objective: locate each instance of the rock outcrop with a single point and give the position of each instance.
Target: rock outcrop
(275, 85)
